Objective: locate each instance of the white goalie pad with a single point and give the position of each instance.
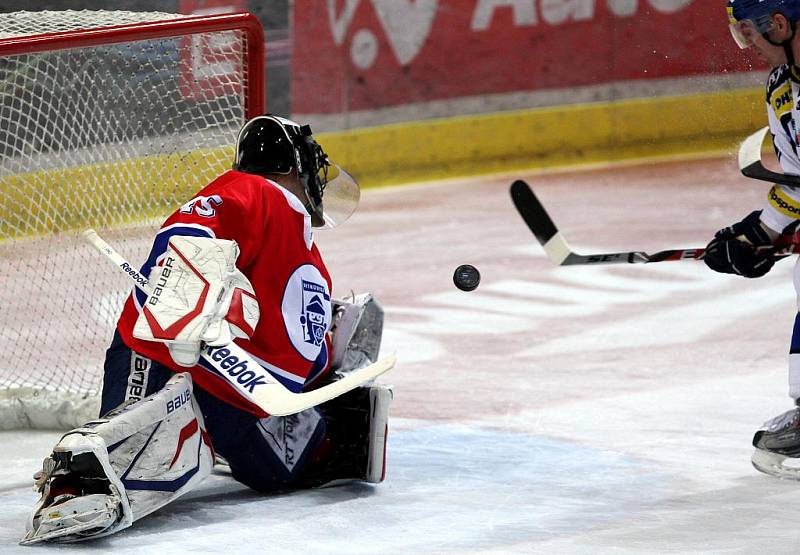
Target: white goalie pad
(356, 332)
(102, 477)
(380, 399)
(197, 296)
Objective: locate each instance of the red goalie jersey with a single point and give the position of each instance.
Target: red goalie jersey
(278, 256)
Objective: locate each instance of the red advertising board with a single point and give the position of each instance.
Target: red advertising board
(366, 54)
(210, 64)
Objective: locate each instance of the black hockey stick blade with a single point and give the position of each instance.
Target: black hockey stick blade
(558, 250)
(532, 212)
(751, 165)
(546, 232)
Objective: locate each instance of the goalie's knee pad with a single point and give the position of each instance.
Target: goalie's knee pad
(273, 453)
(357, 425)
(103, 476)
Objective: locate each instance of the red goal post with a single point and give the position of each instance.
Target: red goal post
(108, 119)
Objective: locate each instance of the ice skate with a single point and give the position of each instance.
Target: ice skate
(777, 446)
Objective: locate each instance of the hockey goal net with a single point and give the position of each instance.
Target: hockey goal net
(109, 120)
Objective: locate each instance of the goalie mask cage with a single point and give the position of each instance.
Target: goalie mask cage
(110, 120)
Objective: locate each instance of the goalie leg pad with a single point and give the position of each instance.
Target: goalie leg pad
(111, 472)
(357, 425)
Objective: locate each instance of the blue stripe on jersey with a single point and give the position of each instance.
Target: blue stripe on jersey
(320, 364)
(795, 346)
(160, 247)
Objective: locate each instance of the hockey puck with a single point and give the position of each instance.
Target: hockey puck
(467, 277)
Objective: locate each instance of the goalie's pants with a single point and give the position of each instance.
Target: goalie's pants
(266, 454)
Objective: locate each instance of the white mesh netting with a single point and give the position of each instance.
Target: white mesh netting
(25, 24)
(112, 137)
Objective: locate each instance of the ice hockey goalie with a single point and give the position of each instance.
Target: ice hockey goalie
(236, 263)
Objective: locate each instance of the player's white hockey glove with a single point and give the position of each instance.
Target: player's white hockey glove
(732, 251)
(197, 296)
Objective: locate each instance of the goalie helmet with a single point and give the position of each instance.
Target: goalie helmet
(755, 16)
(271, 144)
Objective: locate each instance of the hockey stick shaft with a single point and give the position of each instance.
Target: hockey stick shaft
(238, 368)
(559, 251)
(101, 245)
(751, 164)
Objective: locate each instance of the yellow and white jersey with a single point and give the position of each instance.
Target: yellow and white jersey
(782, 205)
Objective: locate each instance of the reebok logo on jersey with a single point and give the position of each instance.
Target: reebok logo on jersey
(239, 369)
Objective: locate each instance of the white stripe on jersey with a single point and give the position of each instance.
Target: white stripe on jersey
(195, 226)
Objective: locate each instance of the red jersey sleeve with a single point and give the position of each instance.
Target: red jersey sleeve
(231, 207)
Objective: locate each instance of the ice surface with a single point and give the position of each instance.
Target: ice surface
(552, 410)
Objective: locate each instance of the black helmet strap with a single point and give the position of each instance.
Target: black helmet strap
(311, 161)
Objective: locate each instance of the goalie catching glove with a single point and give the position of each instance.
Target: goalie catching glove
(197, 296)
(732, 251)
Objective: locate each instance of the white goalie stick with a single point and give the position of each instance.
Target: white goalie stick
(559, 251)
(751, 165)
(268, 393)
